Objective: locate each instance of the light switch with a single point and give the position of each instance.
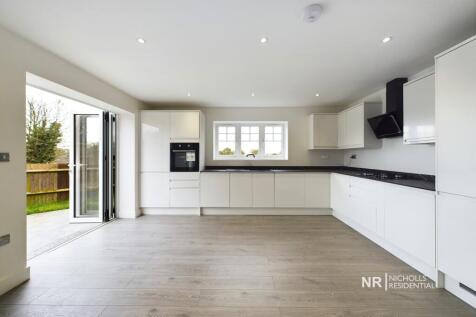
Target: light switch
(4, 240)
(4, 157)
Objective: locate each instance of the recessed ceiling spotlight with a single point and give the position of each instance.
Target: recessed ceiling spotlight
(252, 94)
(263, 40)
(189, 94)
(386, 39)
(317, 95)
(140, 40)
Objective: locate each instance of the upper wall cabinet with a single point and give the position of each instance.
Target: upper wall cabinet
(419, 110)
(345, 130)
(185, 125)
(323, 131)
(356, 131)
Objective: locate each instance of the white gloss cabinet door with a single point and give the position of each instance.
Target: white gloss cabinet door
(410, 221)
(455, 120)
(340, 192)
(215, 189)
(419, 110)
(290, 190)
(185, 125)
(263, 190)
(355, 121)
(154, 190)
(342, 141)
(185, 197)
(317, 190)
(241, 190)
(155, 141)
(456, 223)
(365, 202)
(323, 134)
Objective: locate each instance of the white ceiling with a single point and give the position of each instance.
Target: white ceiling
(211, 48)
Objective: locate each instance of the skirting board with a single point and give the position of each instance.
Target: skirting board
(267, 211)
(13, 280)
(172, 211)
(424, 268)
(453, 287)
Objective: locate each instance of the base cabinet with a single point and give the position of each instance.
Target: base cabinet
(365, 203)
(241, 190)
(456, 237)
(410, 221)
(340, 185)
(400, 219)
(214, 189)
(154, 190)
(317, 190)
(263, 190)
(290, 190)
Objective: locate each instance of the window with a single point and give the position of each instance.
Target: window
(248, 140)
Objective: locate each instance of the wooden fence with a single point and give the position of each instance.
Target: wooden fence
(47, 183)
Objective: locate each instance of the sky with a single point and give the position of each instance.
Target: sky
(64, 111)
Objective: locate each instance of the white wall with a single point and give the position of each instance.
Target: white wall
(298, 126)
(394, 155)
(17, 57)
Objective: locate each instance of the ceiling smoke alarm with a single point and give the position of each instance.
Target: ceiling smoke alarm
(312, 12)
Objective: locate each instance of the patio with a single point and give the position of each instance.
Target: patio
(47, 231)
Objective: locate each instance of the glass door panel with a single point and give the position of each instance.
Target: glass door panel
(87, 168)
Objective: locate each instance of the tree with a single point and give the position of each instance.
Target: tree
(43, 133)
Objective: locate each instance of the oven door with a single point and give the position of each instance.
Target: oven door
(183, 158)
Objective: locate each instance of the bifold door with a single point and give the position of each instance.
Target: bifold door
(93, 168)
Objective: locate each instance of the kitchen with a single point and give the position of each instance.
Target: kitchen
(395, 209)
(293, 165)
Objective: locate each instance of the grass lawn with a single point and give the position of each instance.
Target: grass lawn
(52, 206)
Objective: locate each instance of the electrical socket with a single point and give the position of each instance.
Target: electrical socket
(353, 156)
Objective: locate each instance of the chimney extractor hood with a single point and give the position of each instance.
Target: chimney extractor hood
(390, 124)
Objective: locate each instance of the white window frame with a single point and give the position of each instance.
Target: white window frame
(261, 155)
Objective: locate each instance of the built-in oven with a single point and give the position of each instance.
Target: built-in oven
(184, 157)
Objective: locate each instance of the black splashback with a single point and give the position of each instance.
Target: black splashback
(394, 99)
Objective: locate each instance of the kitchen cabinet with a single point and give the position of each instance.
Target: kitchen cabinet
(455, 72)
(340, 186)
(419, 110)
(364, 199)
(290, 190)
(456, 236)
(400, 219)
(341, 129)
(155, 141)
(241, 190)
(154, 190)
(263, 190)
(184, 190)
(215, 189)
(185, 197)
(410, 221)
(185, 125)
(344, 130)
(317, 187)
(323, 131)
(353, 128)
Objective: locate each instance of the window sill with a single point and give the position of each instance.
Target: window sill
(250, 159)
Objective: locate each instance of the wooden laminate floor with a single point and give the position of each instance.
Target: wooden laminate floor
(244, 266)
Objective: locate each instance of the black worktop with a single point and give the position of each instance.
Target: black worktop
(422, 181)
